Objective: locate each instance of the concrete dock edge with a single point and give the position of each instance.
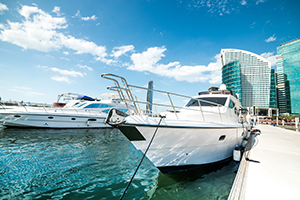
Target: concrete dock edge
(238, 188)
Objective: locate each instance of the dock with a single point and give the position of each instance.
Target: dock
(271, 169)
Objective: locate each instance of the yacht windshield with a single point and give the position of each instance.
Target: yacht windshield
(210, 101)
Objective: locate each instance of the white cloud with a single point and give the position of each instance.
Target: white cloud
(3, 7)
(44, 67)
(270, 56)
(243, 2)
(106, 61)
(219, 7)
(271, 39)
(89, 18)
(37, 33)
(66, 53)
(77, 14)
(260, 1)
(63, 58)
(61, 79)
(84, 18)
(25, 90)
(148, 62)
(22, 88)
(40, 31)
(66, 72)
(57, 10)
(213, 6)
(85, 67)
(118, 51)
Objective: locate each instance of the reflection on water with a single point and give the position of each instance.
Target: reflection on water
(209, 183)
(93, 164)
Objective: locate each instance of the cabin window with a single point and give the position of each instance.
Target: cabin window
(94, 105)
(92, 120)
(79, 105)
(98, 105)
(50, 117)
(73, 118)
(231, 104)
(104, 106)
(209, 101)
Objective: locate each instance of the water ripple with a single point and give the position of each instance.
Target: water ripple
(89, 164)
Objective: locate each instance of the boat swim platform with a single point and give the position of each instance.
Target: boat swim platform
(271, 169)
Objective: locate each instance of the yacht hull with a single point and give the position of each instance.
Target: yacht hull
(37, 120)
(176, 146)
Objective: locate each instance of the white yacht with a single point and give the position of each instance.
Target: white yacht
(204, 131)
(81, 112)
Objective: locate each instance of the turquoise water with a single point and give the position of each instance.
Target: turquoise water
(94, 164)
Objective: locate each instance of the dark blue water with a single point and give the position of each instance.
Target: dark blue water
(94, 164)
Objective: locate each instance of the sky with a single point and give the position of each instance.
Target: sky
(52, 47)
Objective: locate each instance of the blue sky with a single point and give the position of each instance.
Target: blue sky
(53, 47)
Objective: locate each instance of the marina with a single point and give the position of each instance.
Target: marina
(157, 100)
(99, 163)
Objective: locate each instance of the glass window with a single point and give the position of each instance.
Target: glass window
(79, 105)
(104, 106)
(231, 104)
(94, 105)
(209, 101)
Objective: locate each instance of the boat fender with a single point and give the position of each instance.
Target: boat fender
(87, 123)
(237, 154)
(248, 133)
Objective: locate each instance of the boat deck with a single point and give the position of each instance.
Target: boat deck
(272, 170)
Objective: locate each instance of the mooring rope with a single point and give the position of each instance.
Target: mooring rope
(142, 158)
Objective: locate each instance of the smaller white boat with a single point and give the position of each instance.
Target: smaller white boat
(80, 112)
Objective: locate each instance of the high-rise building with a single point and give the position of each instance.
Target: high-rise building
(273, 93)
(231, 76)
(254, 74)
(282, 87)
(288, 72)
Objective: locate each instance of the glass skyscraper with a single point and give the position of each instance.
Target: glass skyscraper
(254, 74)
(231, 76)
(273, 93)
(282, 86)
(288, 76)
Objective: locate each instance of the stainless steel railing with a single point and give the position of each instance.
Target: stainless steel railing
(126, 95)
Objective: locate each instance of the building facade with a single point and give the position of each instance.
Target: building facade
(288, 76)
(255, 76)
(282, 87)
(231, 76)
(273, 91)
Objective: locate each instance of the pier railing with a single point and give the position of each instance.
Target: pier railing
(138, 106)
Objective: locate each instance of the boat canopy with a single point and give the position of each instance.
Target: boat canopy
(84, 97)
